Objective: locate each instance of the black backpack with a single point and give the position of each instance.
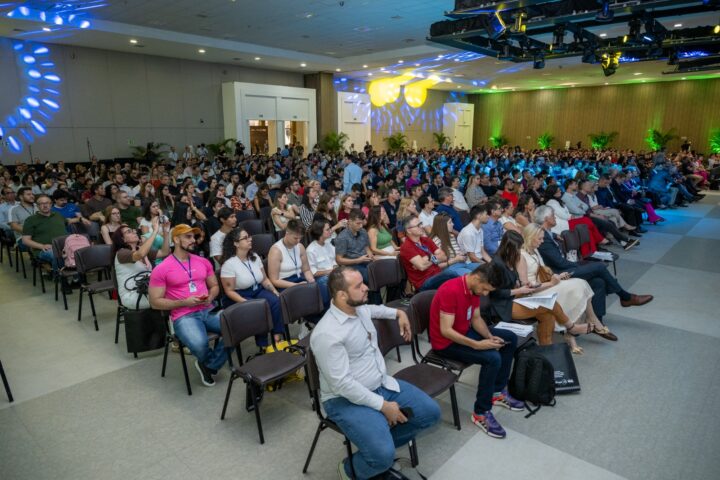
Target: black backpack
(533, 380)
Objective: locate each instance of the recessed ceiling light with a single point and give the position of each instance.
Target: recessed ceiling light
(457, 59)
(257, 58)
(370, 74)
(364, 66)
(303, 65)
(417, 64)
(338, 70)
(401, 61)
(677, 25)
(458, 86)
(46, 29)
(603, 35)
(637, 73)
(606, 83)
(683, 78)
(201, 50)
(132, 40)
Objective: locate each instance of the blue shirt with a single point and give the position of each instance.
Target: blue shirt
(68, 211)
(351, 176)
(492, 234)
(452, 213)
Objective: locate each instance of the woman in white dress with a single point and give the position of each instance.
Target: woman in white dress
(574, 294)
(507, 220)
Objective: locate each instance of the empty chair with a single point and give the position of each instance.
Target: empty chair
(6, 383)
(388, 273)
(571, 240)
(265, 216)
(61, 279)
(89, 260)
(261, 243)
(7, 242)
(245, 320)
(243, 215)
(252, 227)
(302, 301)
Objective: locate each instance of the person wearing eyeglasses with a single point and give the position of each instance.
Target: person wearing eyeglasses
(425, 263)
(8, 202)
(40, 229)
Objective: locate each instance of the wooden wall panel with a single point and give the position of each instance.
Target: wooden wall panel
(691, 107)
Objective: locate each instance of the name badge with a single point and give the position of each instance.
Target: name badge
(469, 313)
(192, 287)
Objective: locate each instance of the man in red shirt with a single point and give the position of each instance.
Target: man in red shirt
(508, 191)
(422, 259)
(458, 332)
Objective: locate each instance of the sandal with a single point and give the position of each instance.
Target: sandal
(582, 329)
(574, 348)
(605, 333)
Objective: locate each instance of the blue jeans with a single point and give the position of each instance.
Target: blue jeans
(463, 268)
(495, 365)
(324, 292)
(436, 280)
(274, 303)
(192, 330)
(47, 256)
(368, 428)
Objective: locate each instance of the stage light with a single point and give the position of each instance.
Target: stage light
(605, 14)
(519, 26)
(610, 62)
(539, 61)
(716, 30)
(558, 39)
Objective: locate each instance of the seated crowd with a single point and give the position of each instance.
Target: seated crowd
(469, 224)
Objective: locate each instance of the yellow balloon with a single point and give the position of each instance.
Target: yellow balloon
(415, 94)
(376, 97)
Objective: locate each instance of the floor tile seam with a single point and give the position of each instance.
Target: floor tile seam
(659, 325)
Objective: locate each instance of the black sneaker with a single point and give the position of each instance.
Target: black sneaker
(631, 244)
(205, 374)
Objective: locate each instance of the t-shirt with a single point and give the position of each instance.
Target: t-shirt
(246, 273)
(410, 250)
(321, 257)
(175, 276)
(43, 229)
(68, 211)
(216, 243)
(351, 245)
(125, 269)
(130, 215)
(427, 219)
(470, 240)
(453, 298)
(19, 213)
(94, 205)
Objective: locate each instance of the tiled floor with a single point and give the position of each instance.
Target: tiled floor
(85, 409)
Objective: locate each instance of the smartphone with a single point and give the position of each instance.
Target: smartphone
(408, 412)
(204, 297)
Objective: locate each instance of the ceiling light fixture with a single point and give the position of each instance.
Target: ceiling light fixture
(257, 58)
(364, 66)
(303, 65)
(677, 25)
(46, 29)
(201, 50)
(370, 74)
(637, 73)
(338, 70)
(603, 35)
(401, 62)
(132, 40)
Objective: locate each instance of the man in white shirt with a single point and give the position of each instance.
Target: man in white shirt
(458, 198)
(356, 391)
(172, 156)
(228, 221)
(470, 239)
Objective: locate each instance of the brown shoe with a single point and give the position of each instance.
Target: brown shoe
(636, 300)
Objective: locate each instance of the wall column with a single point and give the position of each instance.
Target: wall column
(326, 101)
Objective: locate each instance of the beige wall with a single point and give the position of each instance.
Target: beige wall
(691, 107)
(114, 98)
(326, 102)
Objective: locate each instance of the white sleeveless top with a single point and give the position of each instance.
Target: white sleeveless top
(291, 260)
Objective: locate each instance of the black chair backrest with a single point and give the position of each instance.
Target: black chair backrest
(300, 301)
(384, 272)
(243, 215)
(571, 239)
(265, 214)
(7, 237)
(583, 233)
(93, 258)
(261, 243)
(58, 245)
(313, 374)
(252, 227)
(420, 310)
(388, 335)
(464, 217)
(245, 320)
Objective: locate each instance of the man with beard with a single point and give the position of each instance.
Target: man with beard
(356, 391)
(185, 284)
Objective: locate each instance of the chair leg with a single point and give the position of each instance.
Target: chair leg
(256, 407)
(227, 397)
(117, 325)
(57, 282)
(22, 263)
(80, 304)
(350, 455)
(453, 403)
(64, 285)
(9, 256)
(5, 383)
(92, 307)
(34, 267)
(184, 365)
(412, 446)
(397, 350)
(312, 447)
(165, 355)
(614, 268)
(42, 279)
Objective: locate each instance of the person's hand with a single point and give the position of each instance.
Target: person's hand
(565, 275)
(392, 413)
(497, 339)
(524, 291)
(344, 222)
(489, 344)
(47, 248)
(194, 300)
(155, 222)
(404, 324)
(555, 279)
(459, 258)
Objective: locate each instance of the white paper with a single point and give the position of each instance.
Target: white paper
(546, 300)
(519, 329)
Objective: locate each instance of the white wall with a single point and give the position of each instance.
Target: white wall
(114, 98)
(458, 123)
(354, 118)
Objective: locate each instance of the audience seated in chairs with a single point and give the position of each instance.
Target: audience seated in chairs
(39, 230)
(425, 263)
(442, 237)
(595, 273)
(321, 255)
(133, 258)
(243, 278)
(185, 284)
(458, 332)
(567, 221)
(472, 237)
(111, 222)
(228, 221)
(356, 391)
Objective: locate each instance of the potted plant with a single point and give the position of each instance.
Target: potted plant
(545, 140)
(151, 152)
(499, 140)
(396, 142)
(715, 141)
(228, 144)
(334, 142)
(600, 141)
(657, 140)
(441, 139)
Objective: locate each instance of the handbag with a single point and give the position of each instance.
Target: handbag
(544, 273)
(145, 330)
(566, 377)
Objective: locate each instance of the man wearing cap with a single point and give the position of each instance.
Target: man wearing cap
(185, 284)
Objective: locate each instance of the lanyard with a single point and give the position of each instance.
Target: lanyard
(187, 270)
(248, 265)
(294, 259)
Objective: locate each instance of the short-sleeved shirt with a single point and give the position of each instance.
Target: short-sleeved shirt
(43, 229)
(352, 246)
(453, 298)
(216, 243)
(130, 215)
(247, 274)
(321, 257)
(19, 213)
(125, 269)
(470, 240)
(174, 276)
(68, 211)
(410, 250)
(93, 205)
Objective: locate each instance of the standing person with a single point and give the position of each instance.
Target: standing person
(185, 284)
(351, 175)
(356, 391)
(471, 238)
(458, 332)
(243, 277)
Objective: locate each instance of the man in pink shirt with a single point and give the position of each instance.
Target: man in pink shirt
(186, 285)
